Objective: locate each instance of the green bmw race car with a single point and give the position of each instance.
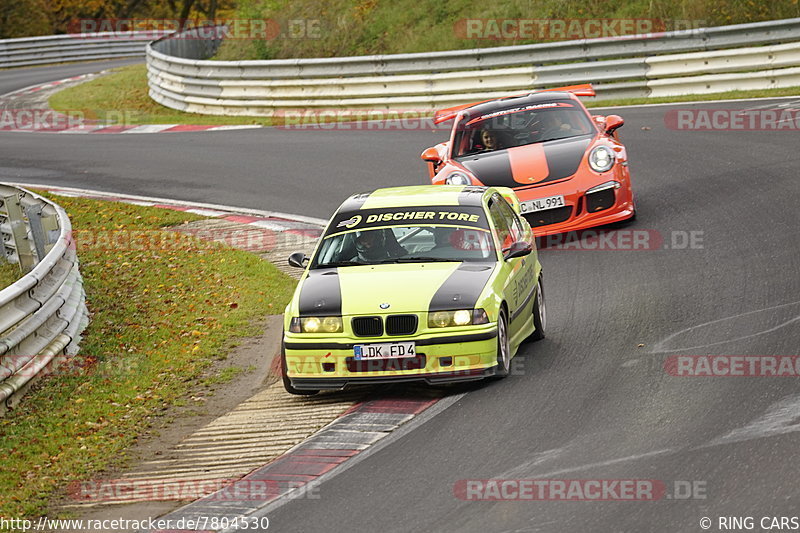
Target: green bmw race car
(426, 283)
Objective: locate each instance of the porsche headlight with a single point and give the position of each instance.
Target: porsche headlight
(458, 178)
(461, 317)
(604, 186)
(601, 158)
(316, 324)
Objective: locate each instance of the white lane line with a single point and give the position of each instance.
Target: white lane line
(606, 463)
(182, 203)
(659, 347)
(780, 418)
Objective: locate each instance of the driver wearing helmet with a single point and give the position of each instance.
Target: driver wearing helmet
(371, 246)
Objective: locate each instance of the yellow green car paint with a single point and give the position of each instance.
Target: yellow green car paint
(484, 284)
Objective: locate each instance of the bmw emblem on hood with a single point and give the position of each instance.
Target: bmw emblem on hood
(385, 306)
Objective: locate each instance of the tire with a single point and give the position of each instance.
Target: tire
(539, 311)
(503, 349)
(287, 383)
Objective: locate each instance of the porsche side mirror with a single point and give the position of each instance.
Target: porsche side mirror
(518, 249)
(431, 155)
(298, 260)
(613, 122)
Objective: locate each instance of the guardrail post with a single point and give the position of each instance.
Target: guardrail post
(34, 214)
(5, 236)
(19, 232)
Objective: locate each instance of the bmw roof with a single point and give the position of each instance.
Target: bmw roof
(416, 195)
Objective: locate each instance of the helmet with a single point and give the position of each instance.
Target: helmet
(371, 245)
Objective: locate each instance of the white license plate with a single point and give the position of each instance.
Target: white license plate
(541, 204)
(387, 350)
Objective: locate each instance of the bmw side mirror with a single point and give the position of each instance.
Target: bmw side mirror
(518, 249)
(298, 260)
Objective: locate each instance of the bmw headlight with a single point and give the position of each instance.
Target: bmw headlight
(601, 158)
(461, 317)
(458, 178)
(316, 324)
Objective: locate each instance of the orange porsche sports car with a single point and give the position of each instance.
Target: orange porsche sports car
(567, 167)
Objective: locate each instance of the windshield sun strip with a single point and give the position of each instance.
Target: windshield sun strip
(415, 226)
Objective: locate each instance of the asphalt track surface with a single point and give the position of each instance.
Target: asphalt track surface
(588, 402)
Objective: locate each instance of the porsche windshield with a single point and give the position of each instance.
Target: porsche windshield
(413, 235)
(518, 126)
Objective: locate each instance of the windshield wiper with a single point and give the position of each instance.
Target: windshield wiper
(339, 264)
(425, 260)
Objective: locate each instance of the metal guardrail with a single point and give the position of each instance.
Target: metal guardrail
(181, 77)
(43, 313)
(48, 49)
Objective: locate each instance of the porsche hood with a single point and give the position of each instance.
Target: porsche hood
(529, 164)
(404, 288)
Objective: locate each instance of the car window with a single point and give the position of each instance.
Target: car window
(400, 244)
(519, 126)
(511, 220)
(501, 223)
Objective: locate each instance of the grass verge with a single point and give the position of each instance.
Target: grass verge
(124, 94)
(9, 273)
(125, 91)
(160, 317)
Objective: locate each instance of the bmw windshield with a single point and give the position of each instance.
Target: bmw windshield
(406, 235)
(519, 126)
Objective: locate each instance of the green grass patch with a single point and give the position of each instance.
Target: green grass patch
(160, 318)
(9, 273)
(362, 27)
(123, 96)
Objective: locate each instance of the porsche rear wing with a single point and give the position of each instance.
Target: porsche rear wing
(443, 115)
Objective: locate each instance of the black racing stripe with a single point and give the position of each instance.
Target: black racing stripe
(455, 339)
(355, 202)
(462, 289)
(321, 294)
(564, 156)
(471, 195)
(493, 169)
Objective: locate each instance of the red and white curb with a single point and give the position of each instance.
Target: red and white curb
(270, 220)
(297, 472)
